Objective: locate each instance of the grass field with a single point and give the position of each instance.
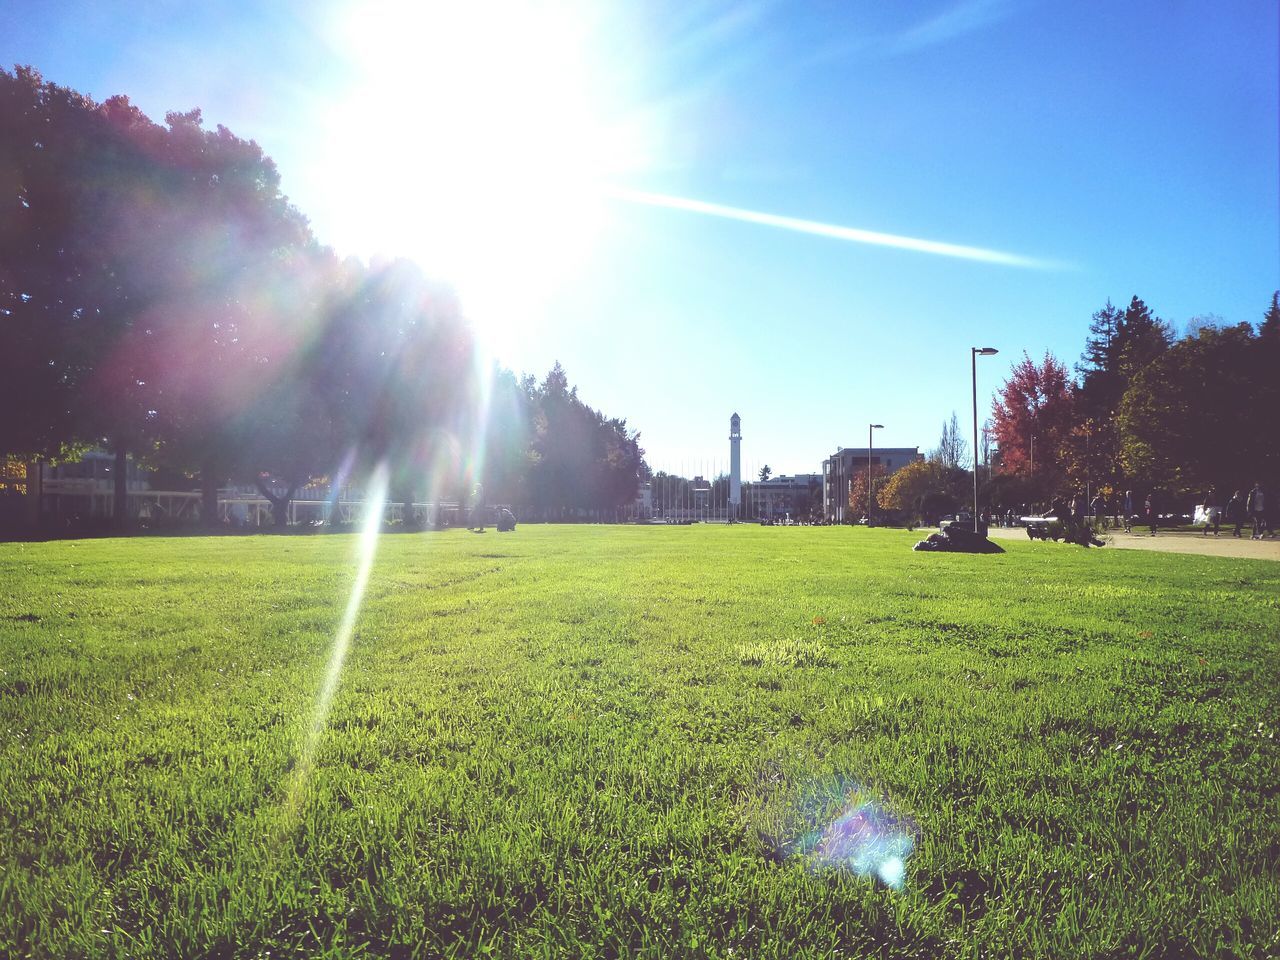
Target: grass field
(604, 741)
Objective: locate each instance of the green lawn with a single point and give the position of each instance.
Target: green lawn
(604, 741)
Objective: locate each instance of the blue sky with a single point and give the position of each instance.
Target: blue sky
(1127, 148)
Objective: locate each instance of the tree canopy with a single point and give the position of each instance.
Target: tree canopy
(1037, 400)
(161, 297)
(1204, 412)
(1149, 410)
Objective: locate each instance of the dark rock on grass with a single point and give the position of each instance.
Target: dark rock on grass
(954, 538)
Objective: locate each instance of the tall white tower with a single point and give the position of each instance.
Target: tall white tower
(735, 462)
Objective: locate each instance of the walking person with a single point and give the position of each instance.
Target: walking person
(1235, 512)
(1212, 510)
(1149, 508)
(1099, 508)
(1257, 509)
(1128, 511)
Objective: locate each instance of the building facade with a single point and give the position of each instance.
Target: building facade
(839, 469)
(795, 497)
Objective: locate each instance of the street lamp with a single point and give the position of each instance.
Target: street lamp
(974, 353)
(870, 435)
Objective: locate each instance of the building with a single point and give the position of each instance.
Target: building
(839, 469)
(85, 488)
(782, 497)
(701, 496)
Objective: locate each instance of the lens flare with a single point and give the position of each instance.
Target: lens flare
(482, 379)
(864, 837)
(367, 548)
(816, 228)
(338, 484)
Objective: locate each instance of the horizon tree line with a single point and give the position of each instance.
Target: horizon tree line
(160, 298)
(1146, 409)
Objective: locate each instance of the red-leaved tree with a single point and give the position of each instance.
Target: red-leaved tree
(1037, 400)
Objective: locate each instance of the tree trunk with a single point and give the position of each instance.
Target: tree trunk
(279, 505)
(35, 494)
(120, 489)
(208, 495)
(405, 496)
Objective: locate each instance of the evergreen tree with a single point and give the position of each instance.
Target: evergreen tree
(1142, 336)
(1270, 327)
(1100, 388)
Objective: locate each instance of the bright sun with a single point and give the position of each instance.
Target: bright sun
(473, 140)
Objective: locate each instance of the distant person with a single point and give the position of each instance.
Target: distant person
(1060, 509)
(1099, 509)
(1256, 506)
(1149, 509)
(1212, 510)
(1079, 508)
(1236, 512)
(1079, 514)
(1128, 511)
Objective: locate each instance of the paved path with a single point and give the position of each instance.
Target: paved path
(1223, 545)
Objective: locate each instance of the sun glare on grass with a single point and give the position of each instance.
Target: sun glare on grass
(477, 139)
(366, 550)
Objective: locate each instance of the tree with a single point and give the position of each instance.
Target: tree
(1203, 321)
(1100, 384)
(507, 432)
(128, 270)
(223, 342)
(1037, 400)
(985, 445)
(1090, 454)
(580, 458)
(903, 490)
(952, 449)
(1269, 329)
(1119, 345)
(924, 489)
(1142, 336)
(45, 337)
(858, 488)
(1203, 412)
(159, 296)
(765, 473)
(76, 372)
(413, 391)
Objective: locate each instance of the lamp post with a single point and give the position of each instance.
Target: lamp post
(870, 436)
(974, 353)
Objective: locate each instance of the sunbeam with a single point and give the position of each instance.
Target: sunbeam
(851, 234)
(367, 548)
